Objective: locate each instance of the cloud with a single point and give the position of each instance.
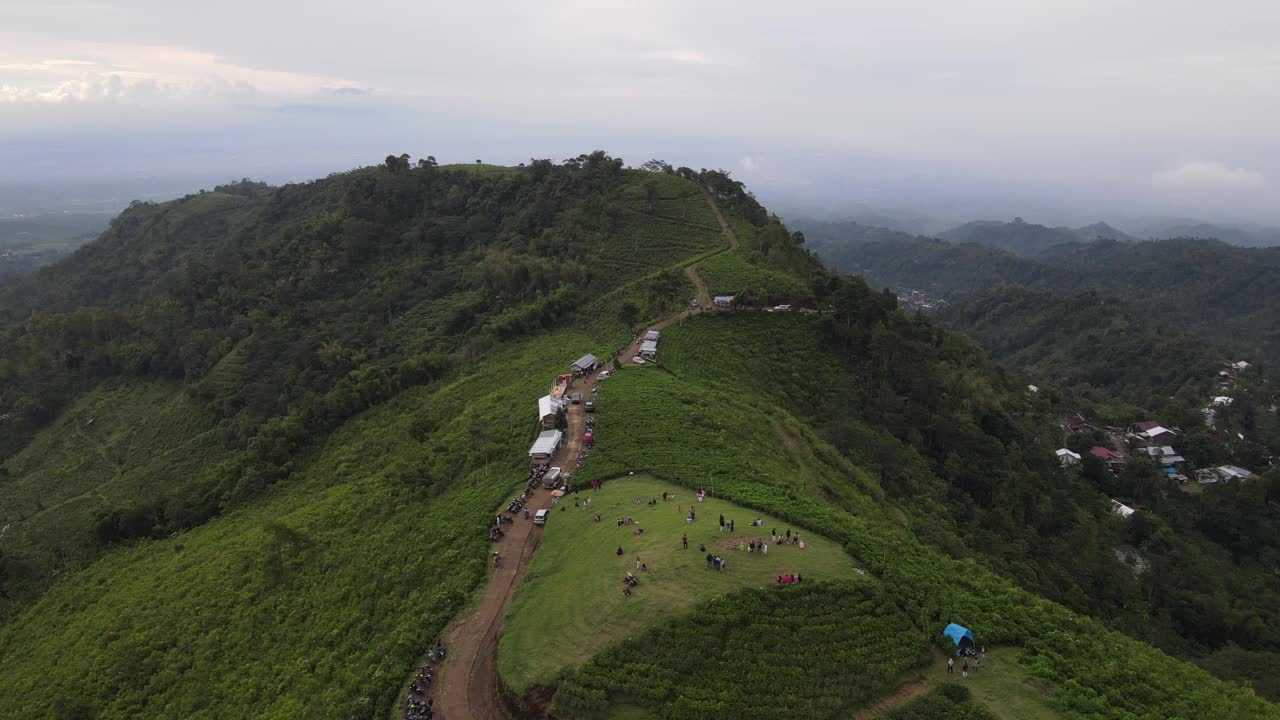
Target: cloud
(686, 56)
(1201, 175)
(748, 163)
(86, 72)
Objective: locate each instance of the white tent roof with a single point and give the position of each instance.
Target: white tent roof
(585, 362)
(1063, 452)
(546, 443)
(1157, 430)
(651, 335)
(649, 346)
(548, 405)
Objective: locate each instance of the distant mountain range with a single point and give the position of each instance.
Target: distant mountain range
(1224, 293)
(1023, 238)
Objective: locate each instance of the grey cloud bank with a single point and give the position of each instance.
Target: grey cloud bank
(1077, 108)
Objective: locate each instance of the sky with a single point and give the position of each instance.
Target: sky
(1055, 110)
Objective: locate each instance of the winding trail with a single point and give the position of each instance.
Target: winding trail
(724, 224)
(468, 686)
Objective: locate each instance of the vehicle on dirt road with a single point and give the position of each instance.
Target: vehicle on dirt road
(590, 406)
(577, 398)
(540, 517)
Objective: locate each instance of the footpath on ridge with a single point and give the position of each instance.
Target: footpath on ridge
(468, 686)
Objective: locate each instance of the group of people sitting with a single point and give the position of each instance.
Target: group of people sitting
(789, 579)
(626, 521)
(629, 582)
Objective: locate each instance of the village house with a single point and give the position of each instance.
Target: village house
(1066, 457)
(1164, 454)
(649, 349)
(722, 301)
(1110, 457)
(1121, 509)
(1151, 432)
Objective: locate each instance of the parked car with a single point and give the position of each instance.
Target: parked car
(540, 517)
(577, 398)
(590, 406)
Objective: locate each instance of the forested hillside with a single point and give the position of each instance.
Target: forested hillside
(1086, 341)
(254, 439)
(1225, 294)
(259, 318)
(1018, 237)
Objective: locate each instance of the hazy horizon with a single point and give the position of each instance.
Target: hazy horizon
(1062, 112)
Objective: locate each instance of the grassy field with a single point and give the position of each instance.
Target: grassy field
(1008, 690)
(1001, 685)
(572, 605)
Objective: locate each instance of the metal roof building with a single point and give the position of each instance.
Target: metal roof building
(546, 444)
(585, 363)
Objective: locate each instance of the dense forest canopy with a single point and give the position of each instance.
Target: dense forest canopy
(1223, 293)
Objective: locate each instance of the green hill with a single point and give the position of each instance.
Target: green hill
(308, 402)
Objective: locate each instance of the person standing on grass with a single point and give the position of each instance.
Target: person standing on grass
(764, 548)
(637, 562)
(710, 559)
(684, 540)
(964, 670)
(730, 526)
(788, 534)
(722, 523)
(951, 665)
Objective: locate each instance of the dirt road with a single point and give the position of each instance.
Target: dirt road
(700, 286)
(468, 687)
(724, 225)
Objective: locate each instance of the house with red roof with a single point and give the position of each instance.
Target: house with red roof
(1110, 457)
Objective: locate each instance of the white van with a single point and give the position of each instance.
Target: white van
(540, 517)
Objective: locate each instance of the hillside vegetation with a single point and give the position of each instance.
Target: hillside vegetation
(273, 315)
(315, 398)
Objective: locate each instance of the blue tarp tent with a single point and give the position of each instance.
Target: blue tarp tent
(961, 636)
